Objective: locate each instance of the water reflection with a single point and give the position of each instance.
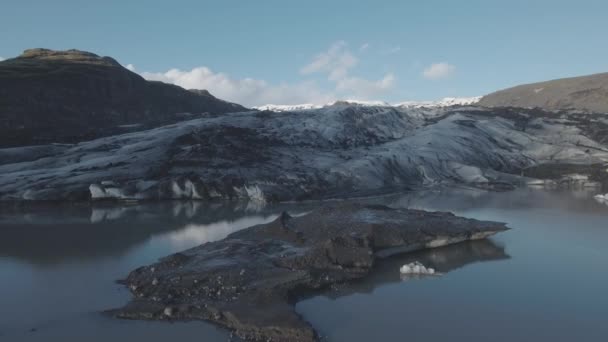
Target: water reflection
(546, 286)
(443, 260)
(196, 234)
(66, 232)
(463, 199)
(58, 264)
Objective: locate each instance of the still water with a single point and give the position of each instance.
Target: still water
(545, 280)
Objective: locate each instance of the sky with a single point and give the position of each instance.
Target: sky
(291, 52)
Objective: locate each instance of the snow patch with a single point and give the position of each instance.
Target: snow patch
(288, 108)
(362, 103)
(445, 102)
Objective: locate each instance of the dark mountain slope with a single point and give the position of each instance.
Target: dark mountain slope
(586, 93)
(70, 96)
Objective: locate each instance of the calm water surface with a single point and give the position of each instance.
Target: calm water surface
(545, 280)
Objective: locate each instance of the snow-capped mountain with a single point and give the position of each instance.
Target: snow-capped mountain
(288, 108)
(445, 102)
(363, 103)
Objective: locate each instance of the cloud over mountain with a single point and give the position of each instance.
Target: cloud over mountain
(335, 65)
(438, 71)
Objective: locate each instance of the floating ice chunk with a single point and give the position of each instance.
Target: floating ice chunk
(601, 198)
(416, 268)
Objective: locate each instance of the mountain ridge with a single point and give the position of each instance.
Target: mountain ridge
(50, 96)
(444, 102)
(587, 93)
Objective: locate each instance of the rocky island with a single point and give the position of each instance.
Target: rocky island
(270, 266)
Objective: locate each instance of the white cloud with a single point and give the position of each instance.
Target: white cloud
(392, 50)
(336, 64)
(246, 91)
(337, 61)
(1, 59)
(363, 88)
(130, 67)
(438, 71)
(364, 47)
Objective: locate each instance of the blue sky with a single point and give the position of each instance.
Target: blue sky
(256, 52)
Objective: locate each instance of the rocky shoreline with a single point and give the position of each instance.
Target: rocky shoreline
(249, 281)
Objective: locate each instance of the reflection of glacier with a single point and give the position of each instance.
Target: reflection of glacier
(178, 209)
(88, 231)
(196, 234)
(443, 260)
(462, 199)
(107, 214)
(52, 233)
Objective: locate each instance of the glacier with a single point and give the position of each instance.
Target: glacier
(336, 151)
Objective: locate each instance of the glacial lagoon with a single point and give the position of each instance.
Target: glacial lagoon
(544, 280)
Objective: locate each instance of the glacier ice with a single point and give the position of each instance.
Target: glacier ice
(601, 198)
(334, 151)
(416, 268)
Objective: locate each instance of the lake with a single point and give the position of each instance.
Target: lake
(544, 280)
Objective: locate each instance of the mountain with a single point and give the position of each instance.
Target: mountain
(584, 93)
(49, 96)
(287, 108)
(308, 106)
(445, 102)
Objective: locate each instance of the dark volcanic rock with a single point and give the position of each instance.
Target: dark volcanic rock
(249, 281)
(51, 96)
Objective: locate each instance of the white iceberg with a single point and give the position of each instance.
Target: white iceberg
(601, 198)
(416, 268)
